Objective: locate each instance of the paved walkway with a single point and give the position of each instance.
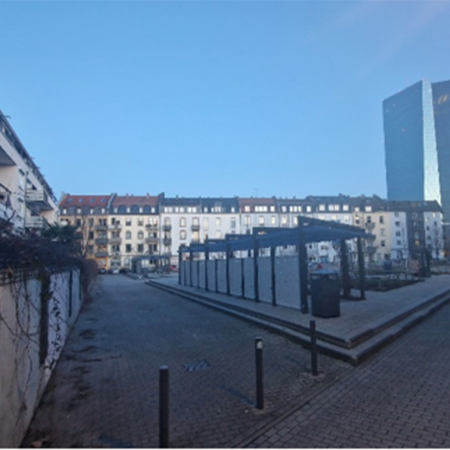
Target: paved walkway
(400, 398)
(356, 316)
(105, 389)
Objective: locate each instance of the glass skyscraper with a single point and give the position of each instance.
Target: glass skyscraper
(417, 144)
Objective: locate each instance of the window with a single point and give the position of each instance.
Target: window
(140, 222)
(382, 232)
(283, 209)
(218, 222)
(128, 248)
(399, 242)
(397, 233)
(206, 224)
(91, 222)
(91, 235)
(344, 207)
(369, 219)
(381, 219)
(233, 222)
(218, 235)
(383, 243)
(196, 221)
(261, 221)
(140, 248)
(272, 209)
(128, 235)
(321, 207)
(368, 209)
(308, 209)
(397, 224)
(273, 220)
(182, 221)
(140, 235)
(128, 222)
(283, 220)
(182, 235)
(247, 208)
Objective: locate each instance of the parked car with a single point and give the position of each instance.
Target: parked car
(102, 271)
(113, 270)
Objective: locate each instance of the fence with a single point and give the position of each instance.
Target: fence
(280, 285)
(36, 316)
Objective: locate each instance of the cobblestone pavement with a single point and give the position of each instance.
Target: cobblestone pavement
(399, 398)
(104, 392)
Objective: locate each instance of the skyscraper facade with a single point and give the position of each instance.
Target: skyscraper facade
(417, 144)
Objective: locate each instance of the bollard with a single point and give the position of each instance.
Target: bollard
(259, 373)
(312, 327)
(163, 407)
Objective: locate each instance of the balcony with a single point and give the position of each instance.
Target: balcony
(36, 222)
(101, 227)
(151, 240)
(4, 194)
(150, 226)
(101, 241)
(167, 242)
(195, 240)
(38, 199)
(101, 254)
(195, 227)
(115, 240)
(116, 226)
(167, 227)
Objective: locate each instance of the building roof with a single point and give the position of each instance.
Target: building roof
(84, 200)
(135, 200)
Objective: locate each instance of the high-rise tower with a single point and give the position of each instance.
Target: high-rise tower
(417, 144)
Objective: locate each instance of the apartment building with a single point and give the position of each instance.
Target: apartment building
(186, 220)
(119, 228)
(26, 199)
(89, 213)
(133, 228)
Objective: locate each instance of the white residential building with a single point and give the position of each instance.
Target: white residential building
(26, 199)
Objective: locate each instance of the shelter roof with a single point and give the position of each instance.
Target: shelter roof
(313, 230)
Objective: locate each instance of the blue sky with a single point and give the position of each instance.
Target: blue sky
(213, 98)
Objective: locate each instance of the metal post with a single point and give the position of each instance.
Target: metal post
(163, 407)
(312, 327)
(259, 373)
(191, 262)
(273, 276)
(243, 276)
(255, 268)
(206, 269)
(362, 275)
(179, 266)
(216, 274)
(302, 267)
(344, 269)
(227, 272)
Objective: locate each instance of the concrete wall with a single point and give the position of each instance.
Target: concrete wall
(23, 376)
(287, 284)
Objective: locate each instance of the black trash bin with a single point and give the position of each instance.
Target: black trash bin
(325, 293)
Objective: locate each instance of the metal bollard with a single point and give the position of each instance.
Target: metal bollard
(312, 327)
(163, 407)
(259, 373)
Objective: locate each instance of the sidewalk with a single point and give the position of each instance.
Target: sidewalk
(363, 327)
(104, 392)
